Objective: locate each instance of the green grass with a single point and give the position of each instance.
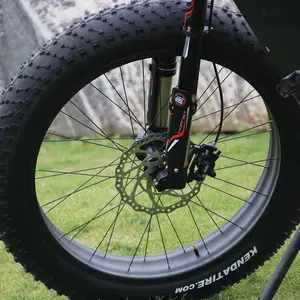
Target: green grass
(82, 206)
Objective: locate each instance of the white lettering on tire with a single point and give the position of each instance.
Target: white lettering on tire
(218, 276)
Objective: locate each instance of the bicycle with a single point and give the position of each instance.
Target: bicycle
(163, 173)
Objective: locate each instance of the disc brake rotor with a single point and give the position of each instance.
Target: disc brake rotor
(133, 177)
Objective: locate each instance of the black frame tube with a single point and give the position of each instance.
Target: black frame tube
(282, 268)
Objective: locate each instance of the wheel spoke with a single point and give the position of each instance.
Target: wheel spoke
(63, 198)
(248, 129)
(83, 140)
(61, 173)
(240, 186)
(244, 136)
(163, 241)
(139, 243)
(115, 222)
(100, 243)
(103, 134)
(210, 216)
(80, 188)
(147, 240)
(213, 91)
(115, 148)
(80, 140)
(253, 163)
(226, 193)
(175, 231)
(96, 216)
(228, 107)
(113, 102)
(113, 229)
(209, 85)
(227, 115)
(125, 102)
(248, 162)
(159, 113)
(198, 229)
(202, 206)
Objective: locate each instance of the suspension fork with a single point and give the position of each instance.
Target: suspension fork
(182, 105)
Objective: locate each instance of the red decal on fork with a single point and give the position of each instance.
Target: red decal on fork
(181, 130)
(189, 11)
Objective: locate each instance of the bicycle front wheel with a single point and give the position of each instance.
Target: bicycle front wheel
(78, 209)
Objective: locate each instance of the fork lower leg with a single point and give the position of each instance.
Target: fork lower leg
(183, 102)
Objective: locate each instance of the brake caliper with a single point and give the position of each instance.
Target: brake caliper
(205, 157)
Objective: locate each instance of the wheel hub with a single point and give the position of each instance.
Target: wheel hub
(135, 183)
